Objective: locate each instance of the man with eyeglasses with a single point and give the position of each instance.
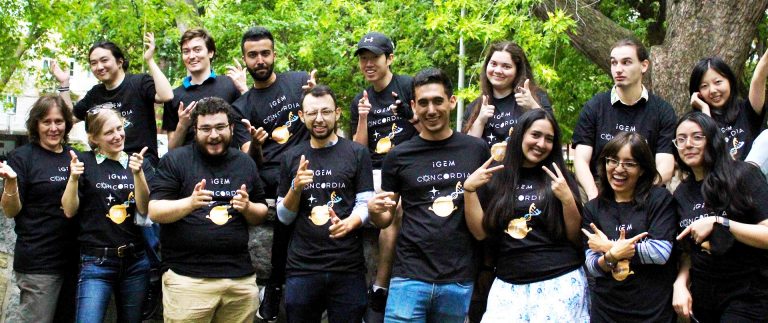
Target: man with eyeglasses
(325, 184)
(270, 109)
(205, 196)
(628, 106)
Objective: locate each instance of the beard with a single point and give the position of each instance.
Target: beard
(259, 78)
(203, 143)
(331, 130)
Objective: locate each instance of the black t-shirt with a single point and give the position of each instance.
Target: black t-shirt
(505, 116)
(45, 238)
(340, 172)
(276, 109)
(645, 295)
(434, 244)
(599, 121)
(215, 86)
(382, 123)
(529, 253)
(740, 261)
(107, 203)
(212, 241)
(740, 134)
(135, 99)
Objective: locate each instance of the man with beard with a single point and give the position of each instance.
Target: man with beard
(271, 112)
(205, 195)
(327, 203)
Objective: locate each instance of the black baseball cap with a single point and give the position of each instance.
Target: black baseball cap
(375, 42)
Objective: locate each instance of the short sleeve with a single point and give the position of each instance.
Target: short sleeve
(148, 90)
(662, 215)
(81, 107)
(286, 174)
(16, 162)
(364, 176)
(389, 179)
(171, 115)
(584, 132)
(166, 183)
(256, 189)
(667, 120)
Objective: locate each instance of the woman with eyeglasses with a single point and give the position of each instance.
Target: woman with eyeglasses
(531, 215)
(714, 91)
(45, 255)
(104, 189)
(723, 275)
(630, 229)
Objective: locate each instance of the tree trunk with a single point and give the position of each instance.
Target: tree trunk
(695, 29)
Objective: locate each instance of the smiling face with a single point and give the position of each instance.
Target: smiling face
(433, 107)
(501, 71)
(259, 57)
(196, 56)
(691, 142)
(626, 68)
(537, 142)
(104, 66)
(623, 172)
(51, 129)
(374, 67)
(715, 89)
(319, 115)
(213, 133)
(111, 137)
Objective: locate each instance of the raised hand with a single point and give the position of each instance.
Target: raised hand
(698, 103)
(381, 202)
(200, 196)
(559, 185)
(6, 172)
(364, 106)
(240, 201)
(149, 44)
(339, 228)
(136, 160)
(699, 229)
(185, 114)
(61, 76)
(76, 167)
(238, 75)
(524, 97)
(625, 248)
(598, 241)
(304, 175)
(481, 176)
(258, 135)
(486, 110)
(311, 82)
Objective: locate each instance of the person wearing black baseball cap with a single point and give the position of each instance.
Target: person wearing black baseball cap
(380, 119)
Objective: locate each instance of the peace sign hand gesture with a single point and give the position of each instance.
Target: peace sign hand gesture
(559, 184)
(481, 176)
(311, 82)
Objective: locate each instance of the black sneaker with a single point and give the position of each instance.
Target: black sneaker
(377, 302)
(152, 307)
(270, 303)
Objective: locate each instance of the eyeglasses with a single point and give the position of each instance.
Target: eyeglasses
(696, 140)
(208, 130)
(615, 163)
(326, 114)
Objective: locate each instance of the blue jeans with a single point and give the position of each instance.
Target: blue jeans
(101, 275)
(343, 295)
(412, 300)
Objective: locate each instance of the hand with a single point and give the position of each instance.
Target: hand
(240, 201)
(258, 135)
(6, 172)
(481, 176)
(238, 75)
(398, 108)
(559, 185)
(61, 76)
(311, 82)
(625, 248)
(381, 202)
(136, 160)
(76, 167)
(598, 241)
(698, 103)
(185, 114)
(699, 229)
(200, 196)
(304, 176)
(149, 43)
(682, 302)
(486, 111)
(524, 97)
(339, 228)
(364, 106)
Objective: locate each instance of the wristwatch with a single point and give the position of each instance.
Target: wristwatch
(726, 223)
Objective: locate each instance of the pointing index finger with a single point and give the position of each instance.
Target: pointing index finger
(73, 155)
(143, 150)
(684, 233)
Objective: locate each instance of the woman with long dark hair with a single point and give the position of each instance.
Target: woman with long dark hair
(630, 228)
(724, 224)
(45, 256)
(532, 218)
(714, 91)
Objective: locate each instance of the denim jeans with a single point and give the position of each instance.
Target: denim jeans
(412, 300)
(343, 295)
(100, 276)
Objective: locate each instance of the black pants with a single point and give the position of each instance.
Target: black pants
(730, 300)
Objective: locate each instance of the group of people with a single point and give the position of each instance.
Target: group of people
(486, 224)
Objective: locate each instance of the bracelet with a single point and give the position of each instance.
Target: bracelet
(63, 88)
(610, 264)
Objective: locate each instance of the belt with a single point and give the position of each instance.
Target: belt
(120, 252)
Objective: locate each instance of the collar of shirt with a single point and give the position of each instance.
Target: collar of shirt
(615, 96)
(187, 82)
(122, 158)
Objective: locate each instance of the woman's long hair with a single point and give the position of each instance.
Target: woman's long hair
(522, 71)
(722, 186)
(730, 111)
(641, 153)
(500, 210)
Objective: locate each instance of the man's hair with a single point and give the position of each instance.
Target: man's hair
(40, 109)
(255, 34)
(211, 105)
(433, 75)
(201, 33)
(319, 91)
(112, 48)
(642, 53)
